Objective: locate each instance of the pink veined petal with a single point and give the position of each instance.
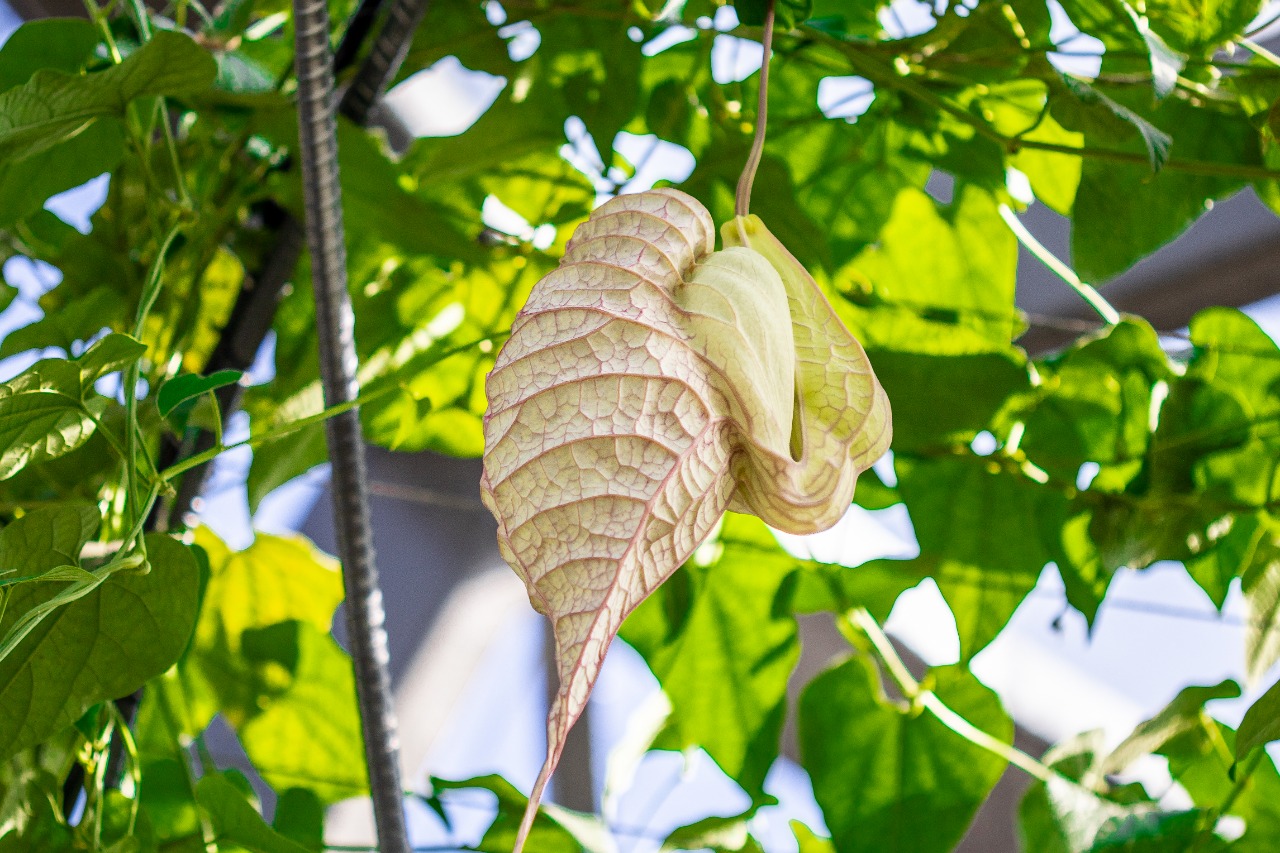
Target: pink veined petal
(650, 384)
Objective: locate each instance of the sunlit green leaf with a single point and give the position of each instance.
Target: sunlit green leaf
(1261, 723)
(985, 553)
(309, 735)
(939, 280)
(723, 650)
(276, 581)
(890, 778)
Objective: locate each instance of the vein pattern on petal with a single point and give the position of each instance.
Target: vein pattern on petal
(648, 385)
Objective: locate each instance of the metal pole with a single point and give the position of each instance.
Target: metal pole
(366, 630)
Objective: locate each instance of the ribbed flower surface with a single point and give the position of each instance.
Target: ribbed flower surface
(648, 385)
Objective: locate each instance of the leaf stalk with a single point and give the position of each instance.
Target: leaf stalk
(919, 695)
(1087, 292)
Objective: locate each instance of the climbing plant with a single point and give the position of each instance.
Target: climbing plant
(127, 628)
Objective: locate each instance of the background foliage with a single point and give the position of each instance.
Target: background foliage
(190, 112)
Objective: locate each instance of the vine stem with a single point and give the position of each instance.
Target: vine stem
(1087, 292)
(335, 321)
(271, 434)
(742, 202)
(916, 693)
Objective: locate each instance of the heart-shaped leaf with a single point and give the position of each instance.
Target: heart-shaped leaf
(649, 385)
(104, 645)
(188, 386)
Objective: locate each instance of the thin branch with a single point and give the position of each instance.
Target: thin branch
(317, 130)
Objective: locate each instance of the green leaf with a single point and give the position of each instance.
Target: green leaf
(1064, 815)
(555, 829)
(1260, 583)
(1185, 713)
(890, 778)
(262, 655)
(62, 44)
(1158, 832)
(63, 325)
(188, 386)
(374, 194)
(943, 400)
(65, 45)
(1234, 354)
(125, 828)
(280, 460)
(1155, 141)
(1095, 400)
(714, 180)
(1261, 723)
(788, 13)
(1233, 349)
(1199, 27)
(826, 587)
(987, 549)
(1201, 762)
(673, 114)
(276, 581)
(808, 841)
(1166, 62)
(300, 817)
(235, 820)
(1123, 213)
(939, 280)
(309, 736)
(54, 106)
(43, 413)
(1059, 817)
(1125, 33)
(46, 538)
(723, 650)
(38, 419)
(594, 67)
(728, 834)
(872, 493)
(1225, 559)
(25, 184)
(106, 644)
(36, 825)
(1017, 109)
(167, 799)
(112, 353)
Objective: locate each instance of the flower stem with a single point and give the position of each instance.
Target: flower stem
(742, 203)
